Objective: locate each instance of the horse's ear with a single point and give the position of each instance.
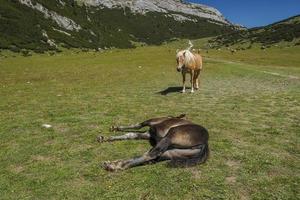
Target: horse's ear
(184, 54)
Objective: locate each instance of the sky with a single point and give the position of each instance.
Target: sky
(254, 13)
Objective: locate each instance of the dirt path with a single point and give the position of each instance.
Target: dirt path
(262, 71)
(278, 74)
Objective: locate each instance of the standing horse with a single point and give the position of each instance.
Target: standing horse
(188, 62)
(172, 138)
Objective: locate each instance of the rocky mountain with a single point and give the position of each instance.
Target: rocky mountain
(167, 6)
(42, 25)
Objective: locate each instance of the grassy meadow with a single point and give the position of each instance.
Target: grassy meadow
(249, 102)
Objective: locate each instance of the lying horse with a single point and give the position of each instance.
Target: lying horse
(188, 62)
(172, 138)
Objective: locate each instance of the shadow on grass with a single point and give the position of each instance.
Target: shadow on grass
(171, 90)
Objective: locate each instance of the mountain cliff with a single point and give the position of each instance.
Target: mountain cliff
(42, 25)
(166, 6)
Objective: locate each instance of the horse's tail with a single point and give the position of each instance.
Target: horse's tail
(188, 162)
(204, 155)
(191, 45)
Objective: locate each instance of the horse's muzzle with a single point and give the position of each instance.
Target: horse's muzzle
(179, 69)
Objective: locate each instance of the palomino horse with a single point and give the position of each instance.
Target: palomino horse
(188, 62)
(172, 138)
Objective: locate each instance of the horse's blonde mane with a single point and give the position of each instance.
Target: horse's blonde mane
(188, 55)
(191, 45)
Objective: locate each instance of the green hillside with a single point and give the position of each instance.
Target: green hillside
(284, 31)
(22, 27)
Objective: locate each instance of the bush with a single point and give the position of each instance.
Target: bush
(14, 48)
(39, 50)
(26, 53)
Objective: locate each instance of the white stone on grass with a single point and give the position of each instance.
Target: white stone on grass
(47, 126)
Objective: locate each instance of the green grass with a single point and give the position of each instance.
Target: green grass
(252, 117)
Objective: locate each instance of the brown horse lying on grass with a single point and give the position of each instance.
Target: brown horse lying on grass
(188, 62)
(172, 138)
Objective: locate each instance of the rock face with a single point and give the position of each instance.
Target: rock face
(163, 6)
(62, 21)
(42, 25)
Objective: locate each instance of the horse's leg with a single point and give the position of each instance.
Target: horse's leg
(137, 126)
(173, 154)
(183, 82)
(123, 128)
(197, 79)
(127, 136)
(154, 153)
(192, 80)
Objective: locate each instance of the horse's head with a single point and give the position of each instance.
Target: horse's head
(183, 57)
(180, 59)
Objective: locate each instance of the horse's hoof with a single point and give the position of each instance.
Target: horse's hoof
(111, 166)
(182, 91)
(192, 91)
(113, 128)
(100, 139)
(108, 166)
